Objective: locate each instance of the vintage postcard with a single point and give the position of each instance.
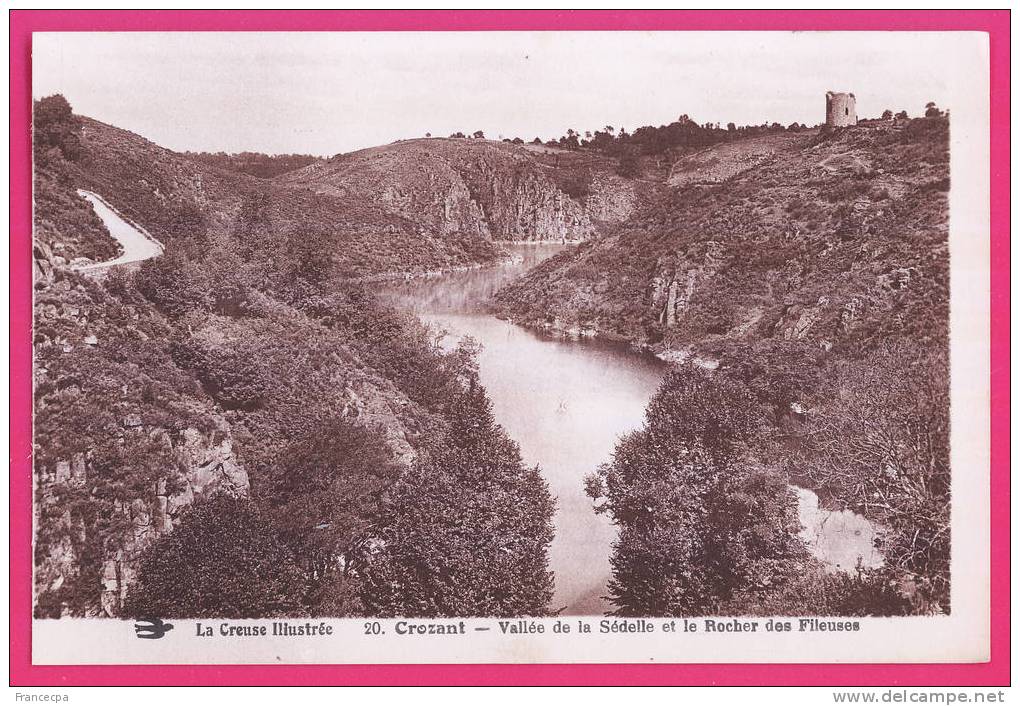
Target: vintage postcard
(510, 347)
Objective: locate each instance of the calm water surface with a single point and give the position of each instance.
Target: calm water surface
(566, 404)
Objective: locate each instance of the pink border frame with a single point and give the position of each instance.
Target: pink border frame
(24, 673)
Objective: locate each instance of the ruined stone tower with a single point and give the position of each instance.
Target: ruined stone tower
(840, 109)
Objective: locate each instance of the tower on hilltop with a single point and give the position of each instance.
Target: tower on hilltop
(840, 109)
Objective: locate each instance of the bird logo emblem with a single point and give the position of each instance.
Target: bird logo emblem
(152, 628)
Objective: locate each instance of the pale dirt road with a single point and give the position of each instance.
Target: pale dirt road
(136, 243)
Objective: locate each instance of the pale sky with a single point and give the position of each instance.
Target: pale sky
(324, 93)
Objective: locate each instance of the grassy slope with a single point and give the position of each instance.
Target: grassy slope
(820, 244)
(411, 206)
(65, 223)
(267, 369)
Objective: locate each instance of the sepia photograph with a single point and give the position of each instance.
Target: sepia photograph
(505, 334)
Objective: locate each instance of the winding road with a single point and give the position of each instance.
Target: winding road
(137, 244)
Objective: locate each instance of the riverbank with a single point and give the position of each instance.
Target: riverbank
(565, 404)
(567, 400)
(512, 258)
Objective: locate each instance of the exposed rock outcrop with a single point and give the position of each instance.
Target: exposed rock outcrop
(671, 291)
(764, 242)
(610, 199)
(43, 264)
(206, 466)
(474, 187)
(375, 407)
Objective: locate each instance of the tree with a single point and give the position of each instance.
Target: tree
(478, 135)
(570, 141)
(902, 115)
(880, 443)
(309, 255)
(174, 283)
(468, 528)
(325, 494)
(699, 521)
(235, 379)
(931, 110)
(887, 114)
(54, 126)
(222, 561)
(628, 166)
(186, 225)
(228, 277)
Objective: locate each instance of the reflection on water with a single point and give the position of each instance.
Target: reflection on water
(470, 291)
(565, 403)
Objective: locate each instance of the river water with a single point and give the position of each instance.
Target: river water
(566, 404)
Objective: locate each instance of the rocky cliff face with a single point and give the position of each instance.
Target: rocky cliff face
(117, 462)
(412, 206)
(673, 288)
(475, 187)
(786, 240)
(205, 466)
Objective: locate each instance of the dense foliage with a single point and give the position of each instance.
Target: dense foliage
(326, 497)
(222, 561)
(64, 222)
(446, 552)
(880, 444)
(256, 164)
(55, 128)
(232, 430)
(682, 135)
(294, 366)
(708, 521)
(700, 518)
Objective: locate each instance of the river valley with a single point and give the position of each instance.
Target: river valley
(567, 403)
